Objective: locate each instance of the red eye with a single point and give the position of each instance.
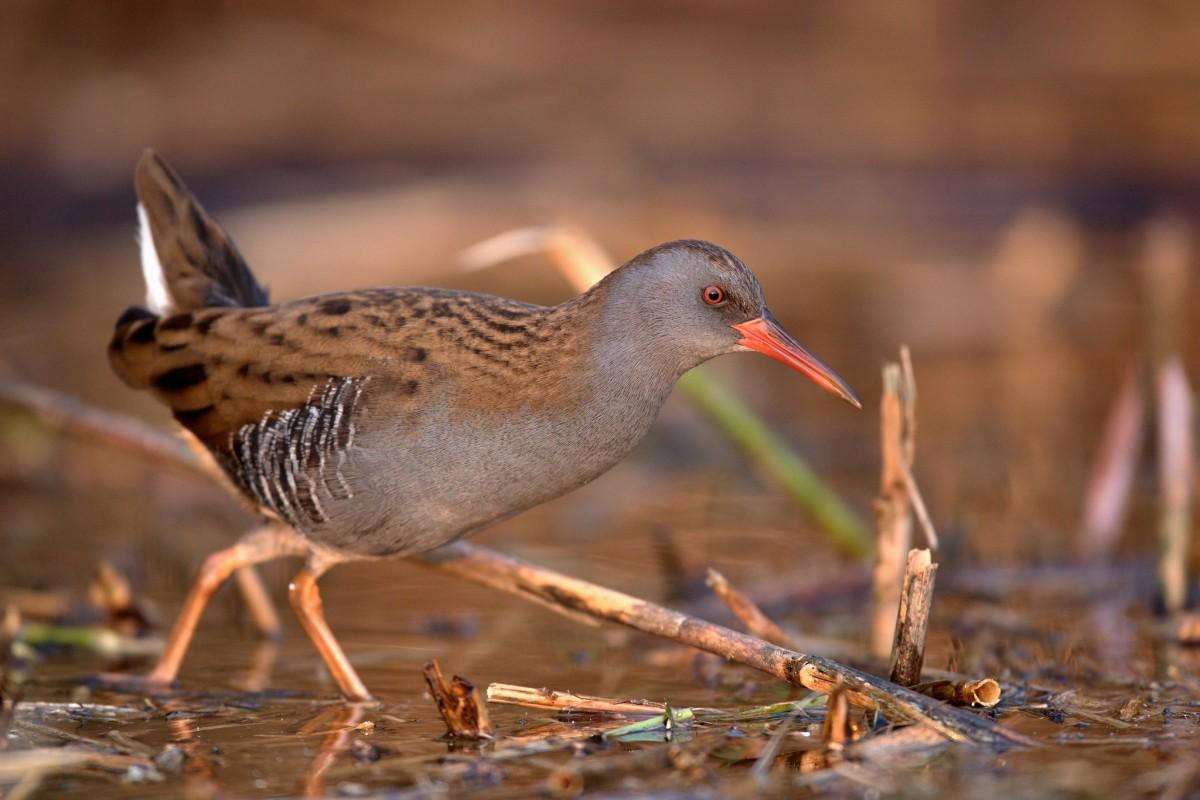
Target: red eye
(713, 295)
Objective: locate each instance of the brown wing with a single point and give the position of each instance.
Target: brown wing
(222, 368)
(278, 394)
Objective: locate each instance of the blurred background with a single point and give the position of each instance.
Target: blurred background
(980, 181)
(989, 183)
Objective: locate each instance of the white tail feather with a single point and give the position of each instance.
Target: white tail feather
(158, 295)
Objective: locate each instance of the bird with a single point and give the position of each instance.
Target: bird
(387, 422)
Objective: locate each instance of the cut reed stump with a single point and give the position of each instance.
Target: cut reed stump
(912, 620)
(464, 713)
(984, 693)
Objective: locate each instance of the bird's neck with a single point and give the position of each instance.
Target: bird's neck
(628, 357)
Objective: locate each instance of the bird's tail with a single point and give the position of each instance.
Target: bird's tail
(189, 263)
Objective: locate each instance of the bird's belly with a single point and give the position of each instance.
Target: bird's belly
(422, 489)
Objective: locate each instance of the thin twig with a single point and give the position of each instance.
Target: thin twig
(918, 505)
(744, 609)
(758, 623)
(766, 759)
(510, 694)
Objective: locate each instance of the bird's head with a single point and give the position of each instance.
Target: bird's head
(698, 300)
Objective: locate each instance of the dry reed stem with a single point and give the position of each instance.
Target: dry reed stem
(581, 600)
(1165, 268)
(487, 567)
(511, 694)
(60, 411)
(1111, 483)
(912, 619)
(984, 693)
(1177, 470)
(893, 510)
(464, 713)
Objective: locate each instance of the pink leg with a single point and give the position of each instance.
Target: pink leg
(306, 600)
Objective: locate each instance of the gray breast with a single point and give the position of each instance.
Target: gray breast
(427, 478)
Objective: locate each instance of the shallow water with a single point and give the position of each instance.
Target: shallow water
(1043, 632)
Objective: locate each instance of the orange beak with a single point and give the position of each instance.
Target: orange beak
(768, 337)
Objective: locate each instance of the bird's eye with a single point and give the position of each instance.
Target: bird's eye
(713, 295)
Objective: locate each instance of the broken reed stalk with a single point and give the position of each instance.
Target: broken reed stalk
(912, 620)
(1111, 483)
(480, 565)
(1177, 469)
(1165, 267)
(511, 694)
(893, 507)
(464, 713)
(583, 262)
(580, 600)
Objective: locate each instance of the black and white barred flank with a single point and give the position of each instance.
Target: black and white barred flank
(290, 459)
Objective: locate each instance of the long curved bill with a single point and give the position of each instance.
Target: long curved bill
(768, 337)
